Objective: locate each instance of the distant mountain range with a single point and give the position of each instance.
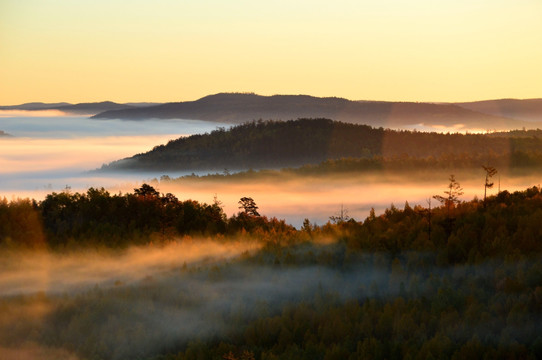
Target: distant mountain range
(80, 109)
(4, 134)
(236, 108)
(279, 144)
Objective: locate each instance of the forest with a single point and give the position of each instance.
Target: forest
(295, 143)
(456, 280)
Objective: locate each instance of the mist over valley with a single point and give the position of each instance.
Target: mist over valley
(341, 247)
(236, 180)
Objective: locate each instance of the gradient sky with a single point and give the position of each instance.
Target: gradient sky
(177, 50)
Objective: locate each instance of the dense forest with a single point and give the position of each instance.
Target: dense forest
(277, 144)
(458, 281)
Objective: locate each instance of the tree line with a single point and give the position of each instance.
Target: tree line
(98, 217)
(457, 231)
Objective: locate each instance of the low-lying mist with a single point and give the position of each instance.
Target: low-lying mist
(48, 152)
(295, 198)
(54, 273)
(52, 153)
(158, 290)
(150, 300)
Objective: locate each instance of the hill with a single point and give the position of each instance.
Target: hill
(236, 108)
(34, 106)
(93, 108)
(80, 108)
(277, 144)
(528, 110)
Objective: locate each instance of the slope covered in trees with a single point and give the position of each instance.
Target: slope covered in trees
(274, 144)
(236, 108)
(450, 282)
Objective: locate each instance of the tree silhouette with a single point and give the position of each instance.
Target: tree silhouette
(452, 194)
(427, 214)
(341, 216)
(249, 206)
(146, 190)
(490, 172)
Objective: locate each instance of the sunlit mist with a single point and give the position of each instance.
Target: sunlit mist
(31, 113)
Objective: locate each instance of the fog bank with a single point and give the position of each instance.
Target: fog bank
(151, 300)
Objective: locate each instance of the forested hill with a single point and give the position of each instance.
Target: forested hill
(274, 144)
(527, 109)
(236, 108)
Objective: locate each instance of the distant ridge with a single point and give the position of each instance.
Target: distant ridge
(34, 106)
(236, 108)
(93, 108)
(528, 109)
(4, 134)
(80, 108)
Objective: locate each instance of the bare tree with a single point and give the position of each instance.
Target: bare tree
(341, 216)
(426, 213)
(490, 172)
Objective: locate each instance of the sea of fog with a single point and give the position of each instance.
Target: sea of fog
(49, 153)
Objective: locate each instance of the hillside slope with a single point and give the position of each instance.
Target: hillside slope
(529, 109)
(277, 144)
(239, 108)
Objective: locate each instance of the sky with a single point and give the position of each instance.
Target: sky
(180, 50)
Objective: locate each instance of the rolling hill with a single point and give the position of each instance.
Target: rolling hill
(528, 110)
(79, 109)
(236, 108)
(34, 106)
(279, 144)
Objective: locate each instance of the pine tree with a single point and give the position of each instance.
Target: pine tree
(452, 194)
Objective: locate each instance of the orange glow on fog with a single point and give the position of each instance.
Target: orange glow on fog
(32, 113)
(31, 154)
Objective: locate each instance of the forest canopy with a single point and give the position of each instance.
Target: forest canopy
(462, 280)
(294, 143)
